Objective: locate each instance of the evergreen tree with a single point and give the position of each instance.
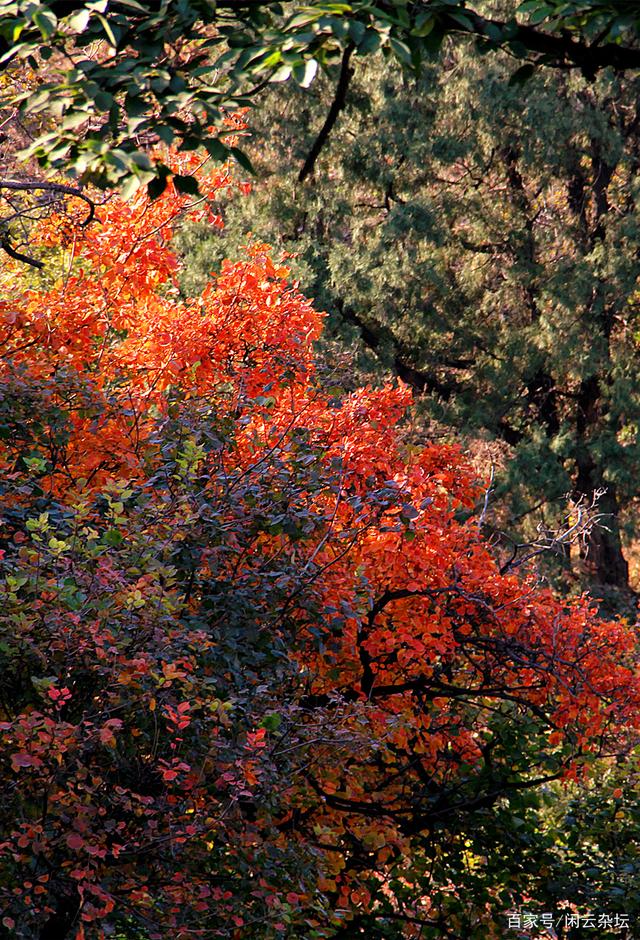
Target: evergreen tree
(118, 77)
(481, 240)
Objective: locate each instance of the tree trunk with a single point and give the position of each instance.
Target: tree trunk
(602, 556)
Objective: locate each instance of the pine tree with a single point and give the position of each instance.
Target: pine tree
(481, 241)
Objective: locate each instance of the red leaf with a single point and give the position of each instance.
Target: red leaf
(22, 759)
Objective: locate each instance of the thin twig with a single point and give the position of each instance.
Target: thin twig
(487, 494)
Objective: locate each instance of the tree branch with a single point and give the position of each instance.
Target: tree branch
(558, 50)
(17, 255)
(29, 185)
(346, 72)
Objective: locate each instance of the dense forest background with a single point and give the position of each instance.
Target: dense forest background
(477, 239)
(319, 448)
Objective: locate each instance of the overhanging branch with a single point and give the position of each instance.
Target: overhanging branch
(7, 247)
(338, 103)
(30, 185)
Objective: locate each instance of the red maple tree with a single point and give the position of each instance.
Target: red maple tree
(257, 653)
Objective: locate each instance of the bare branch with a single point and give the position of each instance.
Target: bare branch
(17, 255)
(30, 185)
(487, 494)
(586, 518)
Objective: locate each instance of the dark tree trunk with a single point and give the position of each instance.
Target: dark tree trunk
(602, 555)
(603, 558)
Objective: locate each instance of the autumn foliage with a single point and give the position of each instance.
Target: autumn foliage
(261, 670)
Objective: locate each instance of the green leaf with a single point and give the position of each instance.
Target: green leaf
(271, 722)
(305, 74)
(371, 42)
(357, 30)
(165, 133)
(282, 74)
(108, 30)
(463, 20)
(78, 21)
(103, 101)
(74, 119)
(216, 149)
(46, 21)
(424, 25)
(542, 12)
(523, 74)
(135, 106)
(302, 19)
(36, 101)
(156, 187)
(270, 62)
(113, 538)
(186, 184)
(401, 50)
(142, 160)
(243, 160)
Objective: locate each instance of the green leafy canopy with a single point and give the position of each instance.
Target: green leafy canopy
(116, 77)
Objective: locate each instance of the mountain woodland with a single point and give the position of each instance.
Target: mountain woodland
(319, 441)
